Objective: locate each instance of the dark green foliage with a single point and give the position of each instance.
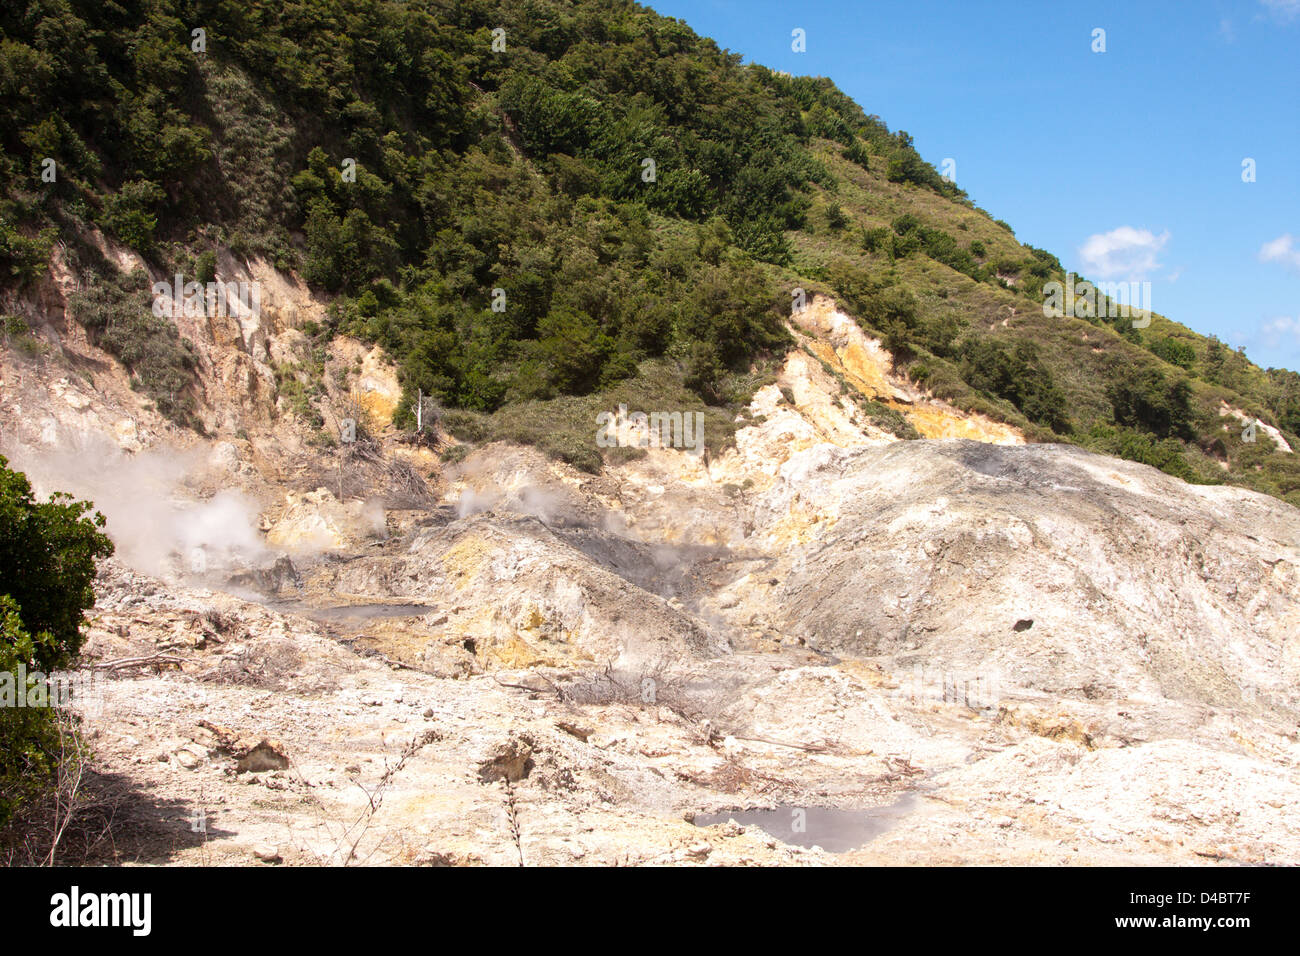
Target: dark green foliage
(911, 235)
(892, 312)
(47, 567)
(879, 239)
(29, 737)
(1143, 398)
(129, 213)
(572, 351)
(118, 317)
(205, 267)
(1284, 398)
(733, 316)
(857, 152)
(1039, 268)
(550, 120)
(1014, 372)
(23, 256)
(345, 253)
(1175, 351)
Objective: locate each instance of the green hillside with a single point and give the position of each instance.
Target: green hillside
(396, 160)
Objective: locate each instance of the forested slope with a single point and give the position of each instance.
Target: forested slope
(538, 208)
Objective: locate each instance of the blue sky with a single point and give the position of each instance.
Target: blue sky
(1126, 164)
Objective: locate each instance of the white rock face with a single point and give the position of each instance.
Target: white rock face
(1133, 581)
(1015, 654)
(1278, 439)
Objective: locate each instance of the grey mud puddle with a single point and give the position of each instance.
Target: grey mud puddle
(834, 830)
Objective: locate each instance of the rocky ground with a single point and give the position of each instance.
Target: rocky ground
(560, 695)
(979, 650)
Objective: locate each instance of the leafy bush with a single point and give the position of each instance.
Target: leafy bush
(1143, 398)
(879, 239)
(128, 214)
(23, 257)
(911, 235)
(856, 152)
(1015, 373)
(345, 253)
(118, 317)
(1166, 454)
(1174, 351)
(205, 268)
(47, 567)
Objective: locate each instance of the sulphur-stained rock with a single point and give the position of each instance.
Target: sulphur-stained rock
(839, 342)
(1043, 566)
(318, 521)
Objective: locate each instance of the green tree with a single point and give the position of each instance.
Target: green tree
(1015, 373)
(129, 213)
(47, 568)
(1143, 398)
(47, 565)
(1175, 351)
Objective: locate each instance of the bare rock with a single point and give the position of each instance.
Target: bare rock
(510, 760)
(267, 854)
(263, 755)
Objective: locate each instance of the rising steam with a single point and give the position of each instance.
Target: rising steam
(155, 517)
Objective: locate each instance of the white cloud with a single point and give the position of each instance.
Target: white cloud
(1282, 331)
(1226, 31)
(1285, 9)
(1283, 249)
(1122, 253)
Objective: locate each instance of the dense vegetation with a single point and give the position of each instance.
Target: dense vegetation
(608, 202)
(47, 567)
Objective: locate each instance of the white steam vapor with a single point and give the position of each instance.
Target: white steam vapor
(154, 520)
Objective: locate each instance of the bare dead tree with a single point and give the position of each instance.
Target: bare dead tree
(67, 789)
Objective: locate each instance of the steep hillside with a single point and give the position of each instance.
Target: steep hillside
(540, 210)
